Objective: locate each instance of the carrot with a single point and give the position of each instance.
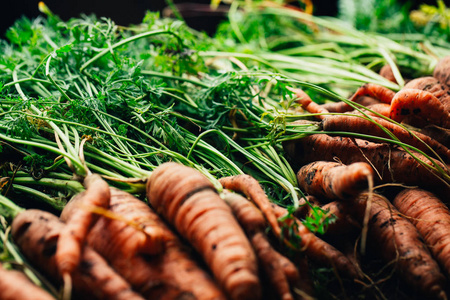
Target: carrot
(166, 271)
(15, 285)
(389, 162)
(315, 248)
(68, 253)
(332, 180)
(398, 241)
(188, 200)
(386, 72)
(37, 233)
(376, 91)
(343, 223)
(431, 217)
(341, 106)
(419, 108)
(281, 272)
(441, 71)
(305, 205)
(434, 86)
(360, 125)
(250, 187)
(307, 104)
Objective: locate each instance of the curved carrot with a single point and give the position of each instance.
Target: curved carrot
(307, 104)
(161, 266)
(431, 217)
(281, 272)
(333, 180)
(187, 199)
(341, 106)
(416, 104)
(15, 285)
(37, 233)
(79, 222)
(250, 187)
(376, 91)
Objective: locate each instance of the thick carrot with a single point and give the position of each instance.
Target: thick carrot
(419, 108)
(15, 285)
(188, 200)
(431, 217)
(70, 244)
(166, 271)
(431, 84)
(37, 232)
(376, 91)
(317, 249)
(332, 180)
(398, 241)
(280, 271)
(360, 125)
(391, 163)
(386, 72)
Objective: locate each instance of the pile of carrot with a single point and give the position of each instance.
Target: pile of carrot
(388, 189)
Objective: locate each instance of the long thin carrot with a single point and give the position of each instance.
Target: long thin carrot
(307, 104)
(376, 91)
(281, 272)
(251, 188)
(188, 200)
(73, 235)
(431, 217)
(165, 269)
(398, 241)
(37, 233)
(332, 180)
(15, 285)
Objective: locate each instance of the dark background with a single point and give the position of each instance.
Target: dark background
(128, 11)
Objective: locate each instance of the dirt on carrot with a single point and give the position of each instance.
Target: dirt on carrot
(188, 200)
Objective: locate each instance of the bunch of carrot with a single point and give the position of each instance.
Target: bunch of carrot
(390, 189)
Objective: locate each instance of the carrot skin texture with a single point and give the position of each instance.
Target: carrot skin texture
(317, 249)
(15, 285)
(414, 104)
(73, 235)
(308, 104)
(360, 125)
(332, 180)
(169, 272)
(188, 200)
(281, 271)
(379, 92)
(432, 219)
(392, 163)
(250, 187)
(36, 233)
(398, 240)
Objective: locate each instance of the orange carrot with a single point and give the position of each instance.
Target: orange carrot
(376, 91)
(15, 285)
(343, 222)
(398, 241)
(356, 124)
(73, 235)
(431, 217)
(419, 108)
(332, 180)
(441, 71)
(341, 106)
(37, 233)
(250, 187)
(315, 248)
(163, 270)
(390, 163)
(188, 200)
(307, 104)
(281, 272)
(386, 72)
